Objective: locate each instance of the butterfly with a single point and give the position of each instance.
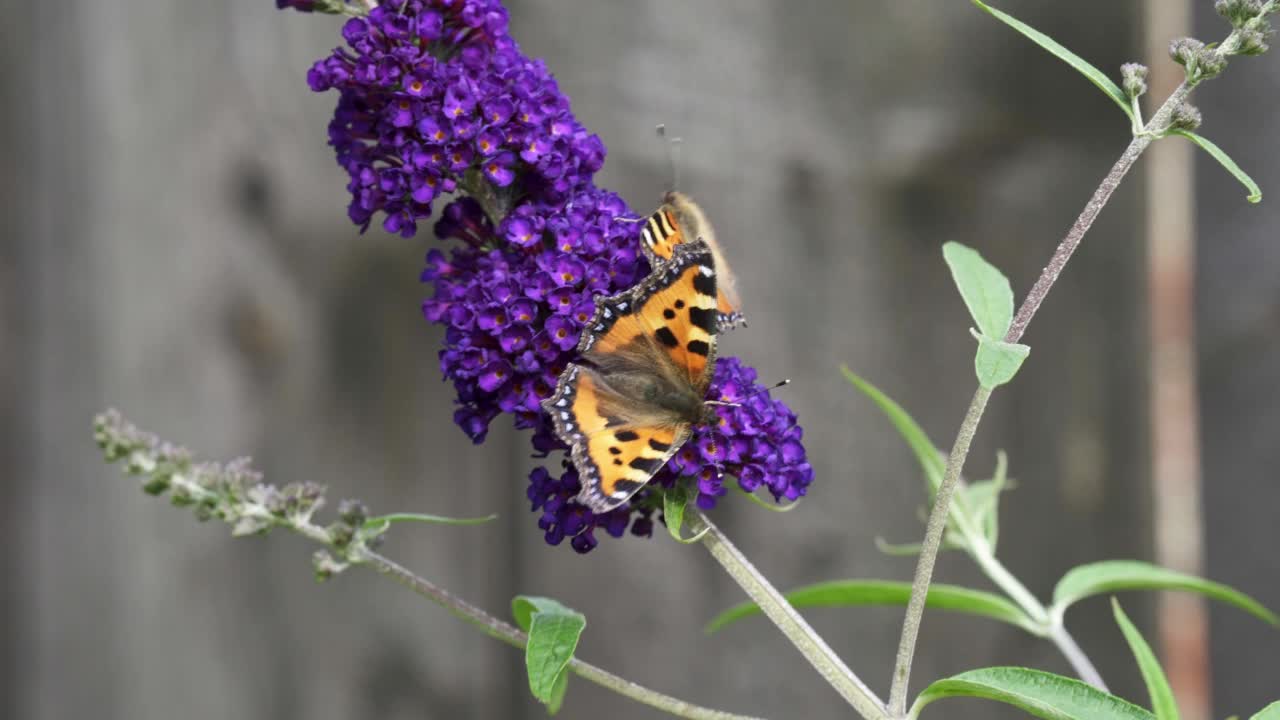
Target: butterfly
(680, 220)
(646, 362)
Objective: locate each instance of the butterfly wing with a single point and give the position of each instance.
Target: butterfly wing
(615, 449)
(649, 354)
(669, 321)
(680, 220)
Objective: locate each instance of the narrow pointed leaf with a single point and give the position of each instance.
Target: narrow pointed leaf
(856, 593)
(985, 289)
(1255, 192)
(553, 631)
(1095, 76)
(382, 522)
(927, 454)
(1114, 575)
(1162, 702)
(1042, 694)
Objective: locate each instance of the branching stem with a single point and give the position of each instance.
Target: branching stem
(495, 628)
(785, 617)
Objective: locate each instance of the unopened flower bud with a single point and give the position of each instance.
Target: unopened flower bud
(1185, 117)
(1186, 51)
(1253, 42)
(1134, 79)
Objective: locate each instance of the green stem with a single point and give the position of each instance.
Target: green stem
(1051, 628)
(955, 461)
(495, 628)
(929, 552)
(785, 617)
(460, 608)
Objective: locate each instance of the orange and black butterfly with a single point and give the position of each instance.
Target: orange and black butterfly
(680, 220)
(639, 389)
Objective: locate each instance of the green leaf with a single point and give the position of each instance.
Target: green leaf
(673, 505)
(997, 361)
(557, 693)
(985, 289)
(1270, 712)
(380, 523)
(927, 454)
(1255, 192)
(982, 499)
(1096, 76)
(553, 631)
(1114, 575)
(855, 593)
(1162, 702)
(1039, 693)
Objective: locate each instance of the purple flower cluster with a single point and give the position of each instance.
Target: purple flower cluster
(757, 442)
(513, 315)
(435, 98)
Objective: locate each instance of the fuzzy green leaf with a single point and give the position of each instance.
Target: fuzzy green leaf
(1114, 575)
(557, 693)
(1162, 702)
(855, 593)
(1255, 192)
(1095, 76)
(1039, 693)
(985, 289)
(927, 454)
(982, 499)
(997, 361)
(553, 631)
(1270, 712)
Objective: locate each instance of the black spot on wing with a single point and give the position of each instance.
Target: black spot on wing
(705, 319)
(659, 445)
(679, 304)
(669, 314)
(699, 347)
(624, 487)
(666, 337)
(705, 284)
(648, 465)
(626, 436)
(615, 450)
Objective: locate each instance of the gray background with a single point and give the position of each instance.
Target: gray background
(176, 245)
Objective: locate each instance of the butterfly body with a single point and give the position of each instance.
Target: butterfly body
(646, 362)
(680, 220)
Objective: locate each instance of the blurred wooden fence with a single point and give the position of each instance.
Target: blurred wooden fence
(177, 247)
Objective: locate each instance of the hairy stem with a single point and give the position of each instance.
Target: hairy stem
(493, 627)
(929, 553)
(785, 617)
(955, 461)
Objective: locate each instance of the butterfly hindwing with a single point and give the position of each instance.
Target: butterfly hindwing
(615, 456)
(680, 220)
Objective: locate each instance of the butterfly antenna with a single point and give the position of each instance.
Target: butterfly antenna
(673, 152)
(757, 391)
